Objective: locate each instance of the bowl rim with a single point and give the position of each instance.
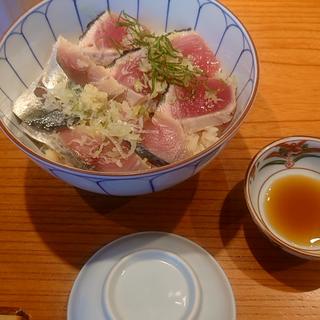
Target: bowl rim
(292, 249)
(225, 137)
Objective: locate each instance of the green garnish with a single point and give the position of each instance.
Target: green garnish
(167, 64)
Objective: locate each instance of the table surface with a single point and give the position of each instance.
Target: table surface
(49, 229)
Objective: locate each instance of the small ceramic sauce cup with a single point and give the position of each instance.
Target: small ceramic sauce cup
(289, 156)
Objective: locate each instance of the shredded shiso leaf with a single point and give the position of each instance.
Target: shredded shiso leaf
(168, 66)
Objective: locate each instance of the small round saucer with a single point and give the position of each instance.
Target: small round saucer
(154, 276)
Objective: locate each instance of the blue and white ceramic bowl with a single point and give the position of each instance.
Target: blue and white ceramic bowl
(25, 48)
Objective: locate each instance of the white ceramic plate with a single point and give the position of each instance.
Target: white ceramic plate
(151, 276)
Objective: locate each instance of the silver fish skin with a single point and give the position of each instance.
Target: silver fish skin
(52, 141)
(30, 100)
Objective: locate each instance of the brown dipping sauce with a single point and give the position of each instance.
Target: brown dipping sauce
(292, 208)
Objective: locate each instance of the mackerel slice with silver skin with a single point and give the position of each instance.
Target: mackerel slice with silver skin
(26, 104)
(31, 100)
(44, 140)
(50, 121)
(51, 141)
(143, 153)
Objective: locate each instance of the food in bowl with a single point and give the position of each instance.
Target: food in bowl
(125, 99)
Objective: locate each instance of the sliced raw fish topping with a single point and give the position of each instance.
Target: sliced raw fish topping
(103, 38)
(105, 32)
(125, 99)
(81, 70)
(103, 57)
(131, 72)
(78, 67)
(164, 137)
(193, 47)
(99, 152)
(106, 39)
(207, 96)
(209, 102)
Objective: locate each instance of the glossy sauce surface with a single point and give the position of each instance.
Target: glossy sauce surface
(292, 208)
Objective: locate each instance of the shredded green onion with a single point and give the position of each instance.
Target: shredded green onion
(167, 64)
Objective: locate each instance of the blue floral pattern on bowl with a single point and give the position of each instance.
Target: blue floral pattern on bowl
(26, 47)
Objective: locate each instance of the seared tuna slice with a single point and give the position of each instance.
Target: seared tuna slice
(164, 137)
(209, 102)
(103, 57)
(99, 152)
(131, 71)
(105, 32)
(193, 47)
(81, 70)
(105, 40)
